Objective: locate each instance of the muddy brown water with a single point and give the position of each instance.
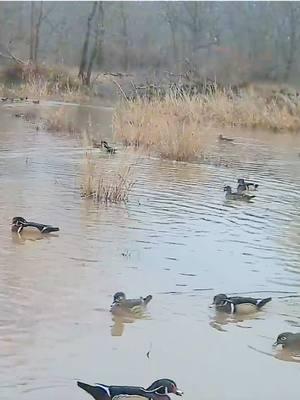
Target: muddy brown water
(178, 239)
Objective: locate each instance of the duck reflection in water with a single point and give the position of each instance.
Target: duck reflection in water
(126, 311)
(220, 319)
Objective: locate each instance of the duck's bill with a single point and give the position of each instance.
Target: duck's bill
(179, 392)
(275, 344)
(211, 305)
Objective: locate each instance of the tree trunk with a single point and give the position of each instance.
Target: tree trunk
(85, 47)
(292, 43)
(97, 43)
(31, 31)
(124, 31)
(37, 33)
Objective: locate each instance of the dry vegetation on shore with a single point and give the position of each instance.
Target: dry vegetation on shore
(175, 128)
(41, 82)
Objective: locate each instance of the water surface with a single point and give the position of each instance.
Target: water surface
(177, 238)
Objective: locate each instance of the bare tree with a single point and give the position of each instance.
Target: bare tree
(197, 17)
(170, 14)
(99, 31)
(124, 33)
(85, 48)
(293, 22)
(37, 32)
(31, 51)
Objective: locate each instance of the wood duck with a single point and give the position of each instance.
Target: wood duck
(157, 391)
(288, 340)
(243, 185)
(121, 303)
(237, 304)
(19, 224)
(225, 139)
(236, 196)
(109, 149)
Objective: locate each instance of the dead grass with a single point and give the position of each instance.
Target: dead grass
(60, 121)
(160, 126)
(103, 185)
(54, 82)
(177, 128)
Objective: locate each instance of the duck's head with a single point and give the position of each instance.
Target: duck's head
(18, 221)
(282, 338)
(241, 180)
(220, 136)
(227, 189)
(104, 143)
(165, 386)
(119, 297)
(220, 299)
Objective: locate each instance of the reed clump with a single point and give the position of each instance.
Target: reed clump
(176, 127)
(60, 121)
(103, 185)
(160, 126)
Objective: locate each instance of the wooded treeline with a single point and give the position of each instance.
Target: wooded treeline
(244, 40)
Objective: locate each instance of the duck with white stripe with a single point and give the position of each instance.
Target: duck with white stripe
(158, 390)
(20, 225)
(238, 304)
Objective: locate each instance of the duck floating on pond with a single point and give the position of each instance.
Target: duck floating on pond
(245, 185)
(238, 304)
(288, 340)
(19, 224)
(136, 306)
(157, 390)
(236, 195)
(225, 139)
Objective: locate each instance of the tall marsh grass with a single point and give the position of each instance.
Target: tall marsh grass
(60, 121)
(106, 185)
(177, 128)
(41, 82)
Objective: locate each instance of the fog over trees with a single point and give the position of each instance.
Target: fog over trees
(227, 40)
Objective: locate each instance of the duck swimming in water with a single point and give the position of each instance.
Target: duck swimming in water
(158, 390)
(288, 340)
(236, 196)
(225, 139)
(121, 303)
(108, 148)
(238, 304)
(19, 224)
(243, 185)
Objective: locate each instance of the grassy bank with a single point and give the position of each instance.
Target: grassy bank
(41, 82)
(175, 128)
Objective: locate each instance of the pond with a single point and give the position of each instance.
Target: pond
(177, 239)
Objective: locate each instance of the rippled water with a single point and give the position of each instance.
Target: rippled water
(178, 239)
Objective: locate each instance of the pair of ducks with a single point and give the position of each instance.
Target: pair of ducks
(242, 187)
(158, 390)
(245, 305)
